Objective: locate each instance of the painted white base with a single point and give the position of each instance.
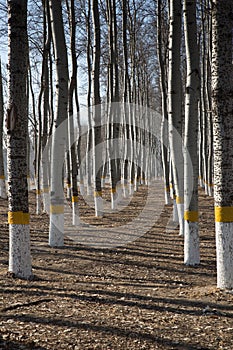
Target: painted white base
(206, 188)
(143, 181)
(171, 192)
(46, 202)
(75, 214)
(224, 246)
(98, 206)
(119, 193)
(56, 230)
(113, 201)
(3, 193)
(201, 183)
(175, 212)
(82, 189)
(136, 184)
(68, 192)
(210, 191)
(38, 204)
(125, 188)
(131, 189)
(191, 243)
(126, 191)
(89, 191)
(102, 182)
(167, 197)
(180, 210)
(19, 251)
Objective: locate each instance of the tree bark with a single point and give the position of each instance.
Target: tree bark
(175, 107)
(17, 132)
(59, 136)
(191, 236)
(97, 138)
(161, 51)
(222, 106)
(2, 173)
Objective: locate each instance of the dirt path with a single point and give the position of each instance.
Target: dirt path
(138, 296)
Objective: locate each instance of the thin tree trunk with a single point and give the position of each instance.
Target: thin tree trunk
(2, 173)
(59, 136)
(89, 91)
(191, 237)
(71, 136)
(163, 88)
(45, 151)
(97, 156)
(175, 107)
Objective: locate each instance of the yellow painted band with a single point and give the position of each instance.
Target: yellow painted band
(74, 199)
(38, 191)
(167, 188)
(113, 190)
(211, 185)
(18, 218)
(2, 177)
(179, 200)
(56, 209)
(98, 194)
(223, 214)
(191, 216)
(68, 185)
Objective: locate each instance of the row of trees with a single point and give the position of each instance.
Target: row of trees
(206, 107)
(195, 89)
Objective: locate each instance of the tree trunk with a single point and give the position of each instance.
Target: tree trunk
(163, 88)
(71, 136)
(97, 156)
(191, 237)
(59, 136)
(89, 91)
(45, 153)
(17, 132)
(175, 107)
(2, 173)
(222, 106)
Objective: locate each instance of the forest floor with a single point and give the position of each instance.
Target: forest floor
(137, 296)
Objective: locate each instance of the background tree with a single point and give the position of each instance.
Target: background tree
(191, 237)
(59, 136)
(2, 172)
(96, 122)
(175, 107)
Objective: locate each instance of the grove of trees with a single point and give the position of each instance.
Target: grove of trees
(123, 60)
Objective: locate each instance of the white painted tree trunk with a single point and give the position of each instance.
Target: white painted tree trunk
(19, 250)
(96, 133)
(222, 106)
(74, 149)
(45, 180)
(17, 136)
(59, 137)
(175, 107)
(191, 171)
